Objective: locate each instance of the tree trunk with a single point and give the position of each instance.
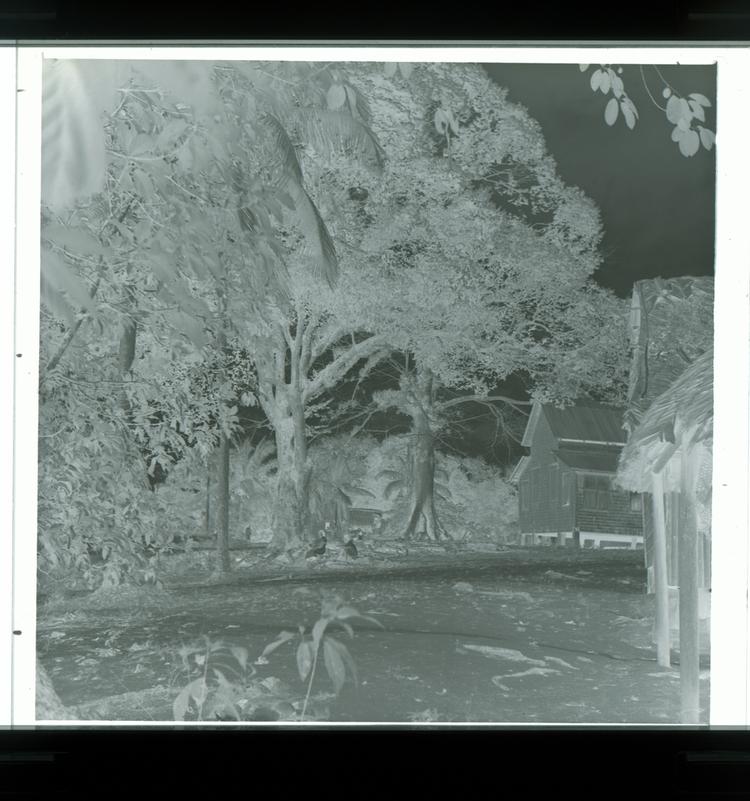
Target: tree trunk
(302, 469)
(290, 508)
(286, 390)
(661, 583)
(223, 563)
(689, 582)
(207, 516)
(48, 703)
(126, 347)
(288, 419)
(422, 507)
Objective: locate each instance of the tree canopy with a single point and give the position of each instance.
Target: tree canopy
(261, 233)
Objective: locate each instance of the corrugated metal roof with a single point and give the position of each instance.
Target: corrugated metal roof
(598, 460)
(586, 422)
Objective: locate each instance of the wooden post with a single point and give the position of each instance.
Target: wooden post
(207, 517)
(222, 513)
(647, 526)
(661, 586)
(672, 501)
(223, 563)
(688, 575)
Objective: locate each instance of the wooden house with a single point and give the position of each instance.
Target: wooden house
(565, 484)
(668, 457)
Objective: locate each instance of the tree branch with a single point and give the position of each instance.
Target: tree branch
(483, 399)
(55, 360)
(340, 366)
(313, 321)
(328, 339)
(648, 91)
(279, 358)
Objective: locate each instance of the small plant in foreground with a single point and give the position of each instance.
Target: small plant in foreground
(425, 716)
(336, 657)
(217, 674)
(222, 685)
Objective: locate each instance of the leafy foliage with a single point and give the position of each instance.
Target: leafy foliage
(337, 660)
(146, 282)
(217, 674)
(474, 292)
(221, 684)
(473, 498)
(338, 479)
(265, 232)
(483, 504)
(687, 114)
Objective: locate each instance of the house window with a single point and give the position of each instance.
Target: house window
(635, 502)
(594, 482)
(565, 492)
(597, 491)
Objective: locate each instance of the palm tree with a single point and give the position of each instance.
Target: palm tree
(331, 494)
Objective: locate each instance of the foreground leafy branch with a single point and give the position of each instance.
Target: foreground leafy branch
(686, 113)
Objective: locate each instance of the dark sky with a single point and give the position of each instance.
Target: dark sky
(657, 205)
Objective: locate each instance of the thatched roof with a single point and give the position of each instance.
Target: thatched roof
(671, 323)
(681, 417)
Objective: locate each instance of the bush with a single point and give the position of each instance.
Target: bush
(483, 502)
(473, 498)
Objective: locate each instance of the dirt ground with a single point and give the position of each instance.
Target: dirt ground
(526, 635)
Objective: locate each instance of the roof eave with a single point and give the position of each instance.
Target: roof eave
(593, 442)
(528, 434)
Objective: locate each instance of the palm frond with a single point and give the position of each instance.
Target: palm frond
(442, 473)
(389, 473)
(317, 235)
(74, 160)
(440, 487)
(284, 148)
(338, 131)
(360, 490)
(292, 180)
(264, 450)
(358, 103)
(393, 488)
(55, 303)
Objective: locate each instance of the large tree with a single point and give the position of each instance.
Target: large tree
(302, 348)
(470, 255)
(202, 190)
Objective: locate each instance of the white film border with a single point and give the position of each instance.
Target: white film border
(730, 704)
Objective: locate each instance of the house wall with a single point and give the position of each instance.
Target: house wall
(550, 500)
(617, 518)
(540, 491)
